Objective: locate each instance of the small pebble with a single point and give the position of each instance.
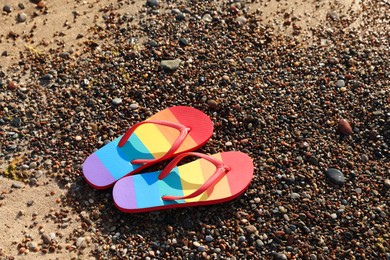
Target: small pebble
(116, 101)
(295, 195)
(152, 3)
(170, 64)
(7, 8)
(340, 83)
(134, 106)
(21, 17)
(17, 185)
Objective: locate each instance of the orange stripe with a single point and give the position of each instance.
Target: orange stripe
(222, 188)
(170, 133)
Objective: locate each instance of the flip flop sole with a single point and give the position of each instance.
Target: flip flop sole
(140, 193)
(150, 141)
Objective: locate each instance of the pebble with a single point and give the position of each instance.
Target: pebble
(183, 41)
(295, 195)
(282, 209)
(117, 101)
(7, 8)
(33, 181)
(196, 244)
(340, 83)
(249, 60)
(46, 239)
(134, 106)
(209, 238)
(170, 64)
(81, 243)
(228, 144)
(251, 229)
(152, 3)
(280, 256)
(344, 127)
(12, 85)
(17, 185)
(335, 176)
(242, 239)
(207, 18)
(33, 247)
(21, 17)
(387, 183)
(201, 248)
(241, 20)
(212, 103)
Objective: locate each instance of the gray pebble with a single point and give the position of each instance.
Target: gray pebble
(7, 8)
(134, 106)
(340, 83)
(170, 64)
(242, 239)
(17, 185)
(280, 256)
(21, 17)
(201, 248)
(207, 18)
(335, 176)
(32, 165)
(33, 247)
(116, 101)
(152, 3)
(81, 243)
(295, 195)
(33, 181)
(209, 238)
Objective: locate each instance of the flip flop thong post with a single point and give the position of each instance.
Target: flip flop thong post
(164, 135)
(211, 179)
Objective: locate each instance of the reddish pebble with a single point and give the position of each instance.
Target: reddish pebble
(41, 4)
(344, 127)
(12, 85)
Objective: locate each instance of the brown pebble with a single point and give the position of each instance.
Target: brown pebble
(344, 127)
(41, 4)
(12, 85)
(22, 250)
(212, 103)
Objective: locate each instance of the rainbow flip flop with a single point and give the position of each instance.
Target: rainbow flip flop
(209, 180)
(164, 135)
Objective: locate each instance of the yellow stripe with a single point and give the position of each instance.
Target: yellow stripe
(153, 139)
(222, 188)
(191, 179)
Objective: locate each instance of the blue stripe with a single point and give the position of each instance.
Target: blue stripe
(117, 160)
(171, 185)
(146, 190)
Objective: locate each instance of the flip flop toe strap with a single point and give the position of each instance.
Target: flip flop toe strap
(220, 172)
(180, 139)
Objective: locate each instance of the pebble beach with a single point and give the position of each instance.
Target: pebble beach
(302, 88)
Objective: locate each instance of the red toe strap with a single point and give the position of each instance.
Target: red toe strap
(180, 139)
(221, 170)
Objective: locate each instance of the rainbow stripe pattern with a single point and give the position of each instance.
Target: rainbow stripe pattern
(144, 192)
(149, 141)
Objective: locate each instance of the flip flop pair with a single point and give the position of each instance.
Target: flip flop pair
(171, 133)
